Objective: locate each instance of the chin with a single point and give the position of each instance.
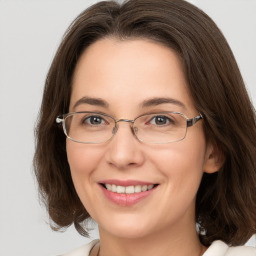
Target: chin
(126, 227)
(130, 232)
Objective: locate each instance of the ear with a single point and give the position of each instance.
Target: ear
(214, 158)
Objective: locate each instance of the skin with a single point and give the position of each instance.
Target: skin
(124, 74)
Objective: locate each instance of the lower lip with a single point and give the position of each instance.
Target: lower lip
(126, 199)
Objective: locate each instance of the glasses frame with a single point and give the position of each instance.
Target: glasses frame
(189, 122)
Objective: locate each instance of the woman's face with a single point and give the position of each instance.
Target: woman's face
(123, 76)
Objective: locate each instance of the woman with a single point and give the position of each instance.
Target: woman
(160, 133)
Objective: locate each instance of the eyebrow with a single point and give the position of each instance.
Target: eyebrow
(91, 101)
(159, 101)
(146, 103)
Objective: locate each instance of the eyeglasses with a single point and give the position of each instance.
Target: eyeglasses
(158, 128)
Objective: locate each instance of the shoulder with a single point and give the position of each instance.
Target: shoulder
(83, 250)
(219, 248)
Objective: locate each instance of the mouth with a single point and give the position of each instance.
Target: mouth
(127, 192)
(131, 189)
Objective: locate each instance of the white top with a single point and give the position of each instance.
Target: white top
(217, 248)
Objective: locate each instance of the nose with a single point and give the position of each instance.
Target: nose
(124, 149)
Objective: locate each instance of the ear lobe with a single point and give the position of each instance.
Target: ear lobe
(214, 159)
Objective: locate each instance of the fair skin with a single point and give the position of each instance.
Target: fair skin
(124, 74)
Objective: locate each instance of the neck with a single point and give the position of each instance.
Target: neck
(160, 243)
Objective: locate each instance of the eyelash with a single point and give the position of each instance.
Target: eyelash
(168, 119)
(88, 118)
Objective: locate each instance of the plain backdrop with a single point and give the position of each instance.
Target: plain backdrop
(30, 31)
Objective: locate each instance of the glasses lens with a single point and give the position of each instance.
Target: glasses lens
(89, 127)
(161, 127)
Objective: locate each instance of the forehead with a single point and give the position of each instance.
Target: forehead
(126, 73)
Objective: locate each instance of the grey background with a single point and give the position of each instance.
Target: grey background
(30, 31)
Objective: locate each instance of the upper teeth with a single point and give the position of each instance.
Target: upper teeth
(128, 189)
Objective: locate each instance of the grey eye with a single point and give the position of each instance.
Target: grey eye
(94, 120)
(161, 120)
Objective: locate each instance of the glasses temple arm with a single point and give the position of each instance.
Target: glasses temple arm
(192, 121)
(59, 119)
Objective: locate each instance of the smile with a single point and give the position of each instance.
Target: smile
(127, 193)
(128, 189)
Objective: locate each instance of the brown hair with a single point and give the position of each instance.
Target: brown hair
(226, 200)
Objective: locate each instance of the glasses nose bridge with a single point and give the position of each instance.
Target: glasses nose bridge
(123, 120)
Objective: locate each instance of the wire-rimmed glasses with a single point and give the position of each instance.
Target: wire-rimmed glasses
(95, 127)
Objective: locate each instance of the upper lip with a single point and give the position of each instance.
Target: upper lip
(126, 183)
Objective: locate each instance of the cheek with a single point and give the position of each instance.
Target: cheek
(83, 160)
(182, 163)
(81, 157)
